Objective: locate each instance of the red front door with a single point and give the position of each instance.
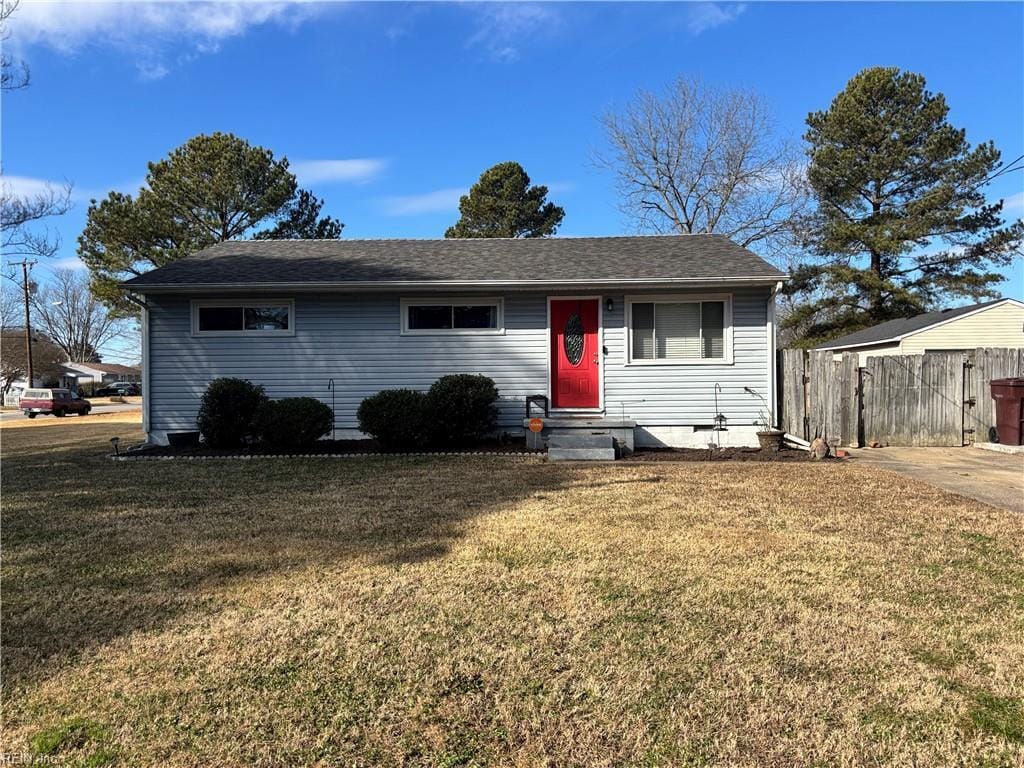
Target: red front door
(575, 355)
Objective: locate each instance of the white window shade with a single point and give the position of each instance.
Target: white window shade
(643, 331)
(677, 331)
(681, 330)
(713, 329)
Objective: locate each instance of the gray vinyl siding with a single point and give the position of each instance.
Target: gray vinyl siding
(355, 339)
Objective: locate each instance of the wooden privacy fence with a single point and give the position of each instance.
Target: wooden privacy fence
(938, 398)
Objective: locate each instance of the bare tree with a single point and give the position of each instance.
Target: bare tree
(10, 307)
(699, 159)
(20, 215)
(22, 211)
(67, 312)
(14, 74)
(47, 358)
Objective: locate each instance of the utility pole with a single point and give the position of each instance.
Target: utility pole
(25, 265)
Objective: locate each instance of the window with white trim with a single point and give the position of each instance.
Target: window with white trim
(442, 316)
(680, 330)
(243, 318)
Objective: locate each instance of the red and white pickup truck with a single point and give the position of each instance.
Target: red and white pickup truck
(59, 402)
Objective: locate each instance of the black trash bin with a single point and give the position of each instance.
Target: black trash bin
(1009, 397)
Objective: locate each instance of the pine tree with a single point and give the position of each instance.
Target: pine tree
(503, 204)
(902, 224)
(212, 188)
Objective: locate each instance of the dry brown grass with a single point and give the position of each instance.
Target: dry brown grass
(487, 611)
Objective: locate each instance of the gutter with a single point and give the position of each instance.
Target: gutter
(486, 285)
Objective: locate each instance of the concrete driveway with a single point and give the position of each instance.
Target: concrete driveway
(992, 478)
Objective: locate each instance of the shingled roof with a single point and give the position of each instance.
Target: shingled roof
(698, 259)
(894, 330)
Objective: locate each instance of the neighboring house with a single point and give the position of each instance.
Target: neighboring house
(612, 329)
(13, 393)
(92, 375)
(998, 323)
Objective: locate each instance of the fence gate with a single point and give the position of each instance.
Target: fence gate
(914, 399)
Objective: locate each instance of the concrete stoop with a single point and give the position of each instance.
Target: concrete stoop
(580, 446)
(579, 438)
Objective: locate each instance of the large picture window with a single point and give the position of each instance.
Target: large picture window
(441, 316)
(244, 318)
(681, 330)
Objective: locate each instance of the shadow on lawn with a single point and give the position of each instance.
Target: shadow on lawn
(95, 550)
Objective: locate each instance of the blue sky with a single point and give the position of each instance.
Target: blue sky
(390, 111)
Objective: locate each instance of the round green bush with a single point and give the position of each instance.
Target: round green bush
(227, 410)
(292, 422)
(463, 408)
(398, 419)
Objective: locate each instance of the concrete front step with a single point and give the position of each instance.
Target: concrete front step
(581, 454)
(620, 430)
(579, 439)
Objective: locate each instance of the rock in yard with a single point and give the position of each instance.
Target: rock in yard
(819, 449)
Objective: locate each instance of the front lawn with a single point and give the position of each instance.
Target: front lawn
(486, 611)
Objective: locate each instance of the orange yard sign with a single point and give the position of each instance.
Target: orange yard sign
(536, 425)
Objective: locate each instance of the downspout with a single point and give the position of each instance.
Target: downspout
(145, 359)
(772, 363)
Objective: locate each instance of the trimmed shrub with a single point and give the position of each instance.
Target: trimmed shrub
(398, 419)
(227, 411)
(293, 422)
(463, 409)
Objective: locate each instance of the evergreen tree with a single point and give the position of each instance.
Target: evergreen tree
(503, 204)
(213, 188)
(300, 220)
(902, 223)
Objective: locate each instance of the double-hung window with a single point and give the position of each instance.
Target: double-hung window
(679, 330)
(455, 316)
(233, 317)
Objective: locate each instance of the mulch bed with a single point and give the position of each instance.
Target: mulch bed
(321, 448)
(717, 454)
(370, 447)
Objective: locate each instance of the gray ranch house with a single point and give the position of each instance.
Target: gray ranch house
(655, 334)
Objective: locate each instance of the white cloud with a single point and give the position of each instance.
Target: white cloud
(26, 186)
(502, 27)
(560, 187)
(356, 170)
(149, 31)
(1013, 205)
(152, 70)
(68, 262)
(438, 201)
(705, 16)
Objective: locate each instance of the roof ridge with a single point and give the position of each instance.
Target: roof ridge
(469, 239)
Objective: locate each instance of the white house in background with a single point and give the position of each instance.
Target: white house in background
(13, 393)
(998, 323)
(80, 375)
(656, 335)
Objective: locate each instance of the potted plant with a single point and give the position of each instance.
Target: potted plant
(769, 438)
